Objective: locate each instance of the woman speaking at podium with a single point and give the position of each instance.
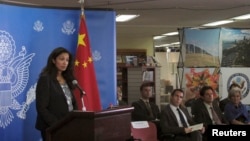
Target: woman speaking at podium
(54, 91)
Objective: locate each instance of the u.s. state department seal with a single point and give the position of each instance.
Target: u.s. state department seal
(242, 80)
(14, 77)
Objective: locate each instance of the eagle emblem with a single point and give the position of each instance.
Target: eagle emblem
(14, 76)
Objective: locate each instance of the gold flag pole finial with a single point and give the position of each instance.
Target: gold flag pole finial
(82, 6)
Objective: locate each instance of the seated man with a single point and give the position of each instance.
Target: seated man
(144, 110)
(176, 120)
(206, 111)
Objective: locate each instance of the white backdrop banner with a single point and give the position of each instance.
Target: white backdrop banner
(239, 76)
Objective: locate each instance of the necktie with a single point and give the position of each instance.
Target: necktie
(215, 116)
(149, 109)
(182, 118)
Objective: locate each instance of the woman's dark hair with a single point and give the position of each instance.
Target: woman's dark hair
(204, 89)
(51, 70)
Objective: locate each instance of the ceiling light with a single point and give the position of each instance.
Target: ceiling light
(159, 46)
(174, 44)
(242, 17)
(158, 37)
(125, 17)
(171, 34)
(218, 23)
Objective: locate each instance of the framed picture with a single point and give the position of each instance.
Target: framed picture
(131, 60)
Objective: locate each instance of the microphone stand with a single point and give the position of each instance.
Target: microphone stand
(83, 106)
(82, 93)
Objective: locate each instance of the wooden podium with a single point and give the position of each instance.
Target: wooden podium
(106, 125)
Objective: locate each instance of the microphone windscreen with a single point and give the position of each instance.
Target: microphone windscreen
(74, 82)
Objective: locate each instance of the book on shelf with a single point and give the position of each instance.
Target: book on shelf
(119, 73)
(148, 76)
(118, 59)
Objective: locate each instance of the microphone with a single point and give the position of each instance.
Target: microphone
(80, 89)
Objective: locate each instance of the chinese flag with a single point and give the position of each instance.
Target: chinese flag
(85, 72)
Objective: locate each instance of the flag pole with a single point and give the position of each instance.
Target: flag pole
(84, 68)
(82, 14)
(82, 7)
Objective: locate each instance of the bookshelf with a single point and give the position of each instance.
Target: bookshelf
(131, 57)
(136, 76)
(133, 70)
(128, 58)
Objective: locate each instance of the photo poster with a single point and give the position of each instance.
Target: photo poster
(235, 47)
(200, 47)
(240, 76)
(196, 78)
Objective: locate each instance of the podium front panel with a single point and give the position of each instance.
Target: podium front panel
(108, 125)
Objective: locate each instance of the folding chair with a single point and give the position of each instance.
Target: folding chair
(143, 131)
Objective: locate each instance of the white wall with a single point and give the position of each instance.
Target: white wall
(136, 43)
(168, 65)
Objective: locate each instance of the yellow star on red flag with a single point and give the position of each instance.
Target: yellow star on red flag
(81, 38)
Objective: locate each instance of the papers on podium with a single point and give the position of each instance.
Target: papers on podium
(140, 124)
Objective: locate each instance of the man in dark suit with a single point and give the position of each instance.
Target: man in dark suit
(144, 110)
(141, 110)
(202, 112)
(173, 122)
